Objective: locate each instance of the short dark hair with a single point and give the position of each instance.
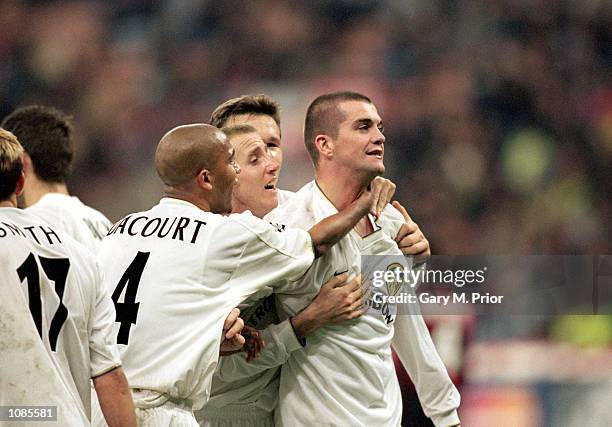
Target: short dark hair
(11, 165)
(245, 104)
(324, 116)
(232, 131)
(46, 135)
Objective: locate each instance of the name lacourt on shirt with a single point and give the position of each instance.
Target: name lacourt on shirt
(181, 228)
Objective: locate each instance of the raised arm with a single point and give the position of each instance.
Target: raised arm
(328, 232)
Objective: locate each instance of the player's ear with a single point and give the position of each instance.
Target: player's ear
(20, 184)
(28, 166)
(204, 179)
(325, 146)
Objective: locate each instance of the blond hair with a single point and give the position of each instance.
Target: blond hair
(11, 163)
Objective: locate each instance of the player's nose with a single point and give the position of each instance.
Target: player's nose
(379, 138)
(272, 165)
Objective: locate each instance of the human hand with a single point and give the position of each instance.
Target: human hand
(382, 191)
(410, 239)
(337, 301)
(254, 343)
(233, 341)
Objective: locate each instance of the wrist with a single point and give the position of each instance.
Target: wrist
(304, 323)
(299, 333)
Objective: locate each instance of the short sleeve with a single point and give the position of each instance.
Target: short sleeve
(103, 352)
(273, 254)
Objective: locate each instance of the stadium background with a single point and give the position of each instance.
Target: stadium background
(498, 118)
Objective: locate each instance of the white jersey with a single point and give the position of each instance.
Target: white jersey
(28, 375)
(345, 375)
(244, 390)
(62, 285)
(249, 390)
(284, 196)
(83, 223)
(175, 272)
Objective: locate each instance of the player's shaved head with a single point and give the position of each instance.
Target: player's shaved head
(185, 150)
(324, 116)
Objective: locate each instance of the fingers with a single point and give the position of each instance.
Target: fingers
(238, 340)
(397, 205)
(235, 329)
(356, 291)
(411, 238)
(354, 284)
(377, 189)
(405, 230)
(336, 281)
(231, 318)
(229, 346)
(387, 192)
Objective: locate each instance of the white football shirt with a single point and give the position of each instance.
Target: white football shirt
(175, 272)
(83, 223)
(345, 375)
(62, 284)
(28, 376)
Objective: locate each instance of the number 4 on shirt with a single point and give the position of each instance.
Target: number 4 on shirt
(127, 311)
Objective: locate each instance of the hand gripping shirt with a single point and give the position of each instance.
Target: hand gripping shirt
(345, 375)
(175, 272)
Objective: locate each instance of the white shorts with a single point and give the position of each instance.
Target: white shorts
(234, 416)
(168, 414)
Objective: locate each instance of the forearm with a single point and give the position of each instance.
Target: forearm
(414, 347)
(280, 343)
(115, 399)
(306, 322)
(328, 232)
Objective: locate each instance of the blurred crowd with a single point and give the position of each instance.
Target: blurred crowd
(498, 114)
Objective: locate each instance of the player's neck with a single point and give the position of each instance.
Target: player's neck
(341, 189)
(11, 202)
(35, 189)
(187, 196)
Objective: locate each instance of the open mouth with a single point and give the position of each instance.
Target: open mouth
(270, 186)
(378, 153)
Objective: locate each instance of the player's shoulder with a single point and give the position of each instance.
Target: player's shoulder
(27, 229)
(284, 196)
(292, 210)
(90, 212)
(246, 220)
